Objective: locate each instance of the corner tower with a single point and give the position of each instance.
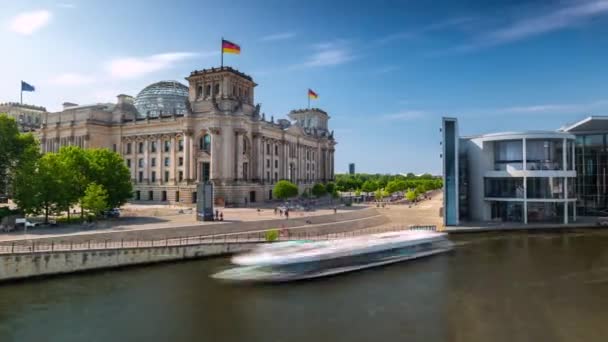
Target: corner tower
(222, 89)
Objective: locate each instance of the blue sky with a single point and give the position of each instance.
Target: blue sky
(386, 71)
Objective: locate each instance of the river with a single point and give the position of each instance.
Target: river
(492, 287)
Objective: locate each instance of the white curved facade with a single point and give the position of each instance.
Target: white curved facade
(525, 177)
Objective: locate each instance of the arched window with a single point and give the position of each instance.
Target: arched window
(205, 143)
(245, 145)
(233, 90)
(208, 90)
(216, 89)
(199, 92)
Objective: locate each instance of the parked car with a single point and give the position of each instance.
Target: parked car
(27, 223)
(114, 212)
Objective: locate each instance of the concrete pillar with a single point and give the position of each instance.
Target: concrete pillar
(159, 159)
(216, 159)
(238, 138)
(173, 165)
(147, 159)
(186, 154)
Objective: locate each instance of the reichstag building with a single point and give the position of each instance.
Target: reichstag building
(173, 137)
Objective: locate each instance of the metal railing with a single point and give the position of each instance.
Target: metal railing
(25, 247)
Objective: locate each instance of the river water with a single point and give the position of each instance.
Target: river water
(492, 287)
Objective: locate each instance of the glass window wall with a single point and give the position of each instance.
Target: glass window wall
(508, 155)
(507, 211)
(545, 187)
(504, 187)
(545, 212)
(592, 174)
(546, 154)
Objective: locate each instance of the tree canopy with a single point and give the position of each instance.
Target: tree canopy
(14, 147)
(318, 190)
(284, 189)
(390, 183)
(54, 182)
(95, 199)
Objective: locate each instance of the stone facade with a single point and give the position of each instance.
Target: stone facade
(222, 137)
(28, 117)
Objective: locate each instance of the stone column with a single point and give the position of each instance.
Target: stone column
(216, 159)
(187, 154)
(159, 159)
(147, 159)
(173, 162)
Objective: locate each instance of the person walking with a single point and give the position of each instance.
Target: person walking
(221, 216)
(287, 214)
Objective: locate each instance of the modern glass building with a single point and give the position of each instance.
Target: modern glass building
(591, 164)
(522, 177)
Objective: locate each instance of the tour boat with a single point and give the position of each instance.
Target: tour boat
(303, 259)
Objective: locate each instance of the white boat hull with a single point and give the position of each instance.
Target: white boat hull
(253, 274)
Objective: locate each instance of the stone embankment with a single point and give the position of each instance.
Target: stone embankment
(76, 253)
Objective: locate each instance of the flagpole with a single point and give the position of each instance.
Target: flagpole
(222, 47)
(21, 95)
(308, 95)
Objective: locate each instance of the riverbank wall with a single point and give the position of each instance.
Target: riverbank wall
(20, 260)
(40, 264)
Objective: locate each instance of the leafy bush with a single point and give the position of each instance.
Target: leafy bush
(318, 190)
(272, 235)
(284, 189)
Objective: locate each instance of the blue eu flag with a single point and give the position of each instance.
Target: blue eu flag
(27, 87)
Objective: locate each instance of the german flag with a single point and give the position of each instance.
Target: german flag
(312, 94)
(230, 47)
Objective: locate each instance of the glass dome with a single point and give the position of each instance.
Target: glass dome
(162, 99)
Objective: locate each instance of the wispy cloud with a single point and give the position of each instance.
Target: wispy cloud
(563, 17)
(278, 36)
(575, 108)
(71, 79)
(66, 5)
(405, 115)
(27, 23)
(328, 54)
(417, 32)
(133, 67)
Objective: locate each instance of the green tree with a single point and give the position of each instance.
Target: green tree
(284, 189)
(395, 185)
(379, 194)
(411, 195)
(39, 186)
(13, 147)
(108, 169)
(74, 160)
(318, 190)
(95, 199)
(369, 186)
(358, 192)
(330, 187)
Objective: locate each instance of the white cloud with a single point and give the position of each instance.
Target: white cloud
(66, 5)
(405, 115)
(133, 67)
(27, 23)
(328, 54)
(553, 108)
(563, 17)
(555, 20)
(329, 57)
(278, 36)
(71, 79)
(414, 33)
